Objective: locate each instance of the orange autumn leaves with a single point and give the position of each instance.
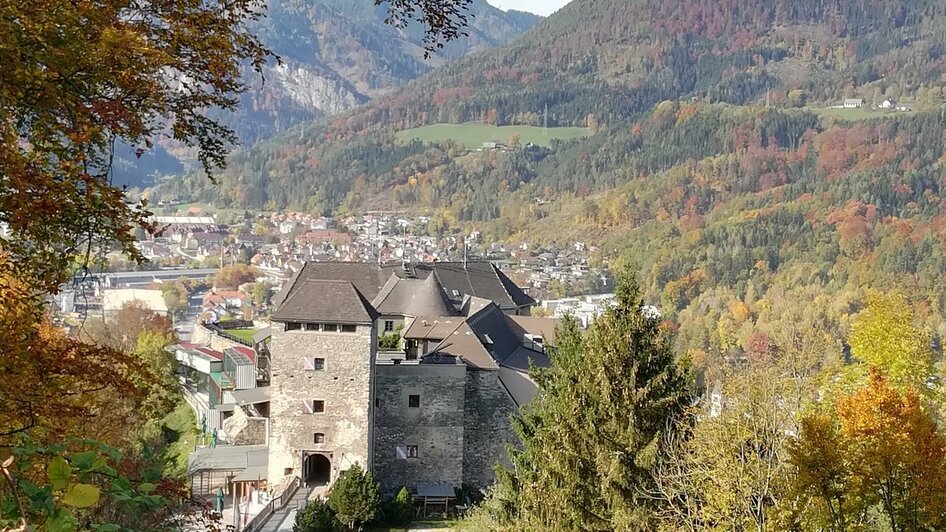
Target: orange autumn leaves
(879, 447)
(52, 386)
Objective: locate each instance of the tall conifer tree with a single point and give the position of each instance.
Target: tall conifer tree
(589, 440)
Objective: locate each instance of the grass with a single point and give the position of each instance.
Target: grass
(180, 431)
(473, 135)
(858, 113)
(243, 334)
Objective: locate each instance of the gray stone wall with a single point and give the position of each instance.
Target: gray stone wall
(435, 427)
(346, 386)
(219, 343)
(487, 427)
(208, 338)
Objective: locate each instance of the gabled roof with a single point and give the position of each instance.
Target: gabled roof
(463, 343)
(368, 278)
(488, 339)
(479, 279)
(412, 297)
(454, 280)
(316, 301)
(544, 327)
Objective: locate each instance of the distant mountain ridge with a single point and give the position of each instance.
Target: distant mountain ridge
(335, 55)
(616, 58)
(607, 63)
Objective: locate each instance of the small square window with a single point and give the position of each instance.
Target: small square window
(293, 326)
(388, 326)
(312, 326)
(314, 364)
(377, 403)
(313, 406)
(318, 438)
(349, 328)
(413, 401)
(406, 451)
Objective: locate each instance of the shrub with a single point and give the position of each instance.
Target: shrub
(400, 510)
(389, 341)
(316, 517)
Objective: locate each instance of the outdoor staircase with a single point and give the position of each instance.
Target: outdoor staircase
(281, 514)
(283, 518)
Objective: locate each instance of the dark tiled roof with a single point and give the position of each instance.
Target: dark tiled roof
(544, 327)
(479, 279)
(490, 339)
(368, 278)
(519, 385)
(412, 297)
(463, 343)
(313, 300)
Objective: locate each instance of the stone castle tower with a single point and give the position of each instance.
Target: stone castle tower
(324, 347)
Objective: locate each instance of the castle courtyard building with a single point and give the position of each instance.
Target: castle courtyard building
(435, 412)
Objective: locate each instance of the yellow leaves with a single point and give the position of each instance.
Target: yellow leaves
(885, 337)
(82, 496)
(58, 472)
(879, 445)
(739, 311)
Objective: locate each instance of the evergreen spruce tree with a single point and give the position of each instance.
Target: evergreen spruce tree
(316, 517)
(355, 497)
(589, 440)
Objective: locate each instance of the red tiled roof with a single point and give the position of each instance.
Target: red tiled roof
(249, 353)
(210, 352)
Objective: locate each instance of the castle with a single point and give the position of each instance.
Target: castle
(433, 409)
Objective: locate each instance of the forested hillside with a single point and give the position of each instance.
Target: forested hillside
(617, 58)
(707, 170)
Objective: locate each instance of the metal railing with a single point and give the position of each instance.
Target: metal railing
(220, 329)
(274, 505)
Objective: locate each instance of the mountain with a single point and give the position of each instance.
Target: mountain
(616, 58)
(607, 63)
(334, 55)
(712, 165)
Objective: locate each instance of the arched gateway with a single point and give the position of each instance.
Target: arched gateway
(316, 469)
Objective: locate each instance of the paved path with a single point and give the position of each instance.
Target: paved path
(283, 519)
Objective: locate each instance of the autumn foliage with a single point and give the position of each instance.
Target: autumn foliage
(52, 384)
(879, 447)
(80, 76)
